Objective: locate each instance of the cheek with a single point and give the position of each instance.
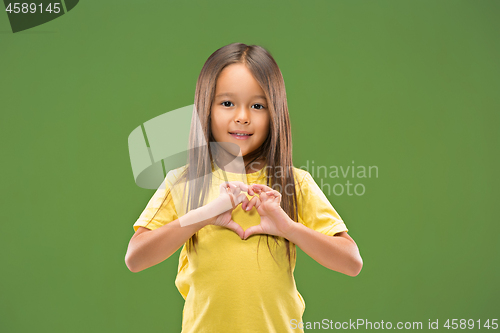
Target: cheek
(216, 124)
(213, 126)
(265, 126)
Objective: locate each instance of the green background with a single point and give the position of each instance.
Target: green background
(408, 86)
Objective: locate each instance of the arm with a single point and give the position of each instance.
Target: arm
(150, 247)
(339, 252)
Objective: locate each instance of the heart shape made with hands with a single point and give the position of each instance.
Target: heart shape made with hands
(267, 201)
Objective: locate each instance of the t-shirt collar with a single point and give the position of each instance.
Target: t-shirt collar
(230, 176)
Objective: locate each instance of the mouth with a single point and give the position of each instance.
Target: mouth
(240, 135)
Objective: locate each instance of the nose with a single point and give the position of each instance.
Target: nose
(242, 116)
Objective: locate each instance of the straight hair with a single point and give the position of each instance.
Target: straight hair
(276, 150)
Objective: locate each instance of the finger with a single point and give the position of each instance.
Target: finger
(241, 198)
(241, 185)
(233, 187)
(276, 193)
(230, 191)
(278, 197)
(255, 188)
(258, 202)
(227, 187)
(264, 196)
(251, 203)
(262, 192)
(250, 190)
(273, 194)
(262, 187)
(244, 202)
(256, 229)
(223, 187)
(236, 228)
(237, 186)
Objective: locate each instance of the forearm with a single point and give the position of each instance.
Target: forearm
(152, 247)
(336, 253)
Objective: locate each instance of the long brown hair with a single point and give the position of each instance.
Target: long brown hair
(276, 149)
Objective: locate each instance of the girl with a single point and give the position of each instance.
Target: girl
(240, 228)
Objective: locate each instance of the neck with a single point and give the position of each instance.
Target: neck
(255, 165)
(236, 166)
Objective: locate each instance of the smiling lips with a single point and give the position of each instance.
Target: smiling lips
(240, 135)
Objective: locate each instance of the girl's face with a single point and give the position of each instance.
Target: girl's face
(239, 106)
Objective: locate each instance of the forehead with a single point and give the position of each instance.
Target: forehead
(237, 80)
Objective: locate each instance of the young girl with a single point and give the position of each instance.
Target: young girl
(240, 228)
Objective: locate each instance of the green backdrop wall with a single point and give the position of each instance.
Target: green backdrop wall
(410, 87)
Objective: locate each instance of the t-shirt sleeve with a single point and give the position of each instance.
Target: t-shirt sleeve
(159, 211)
(316, 211)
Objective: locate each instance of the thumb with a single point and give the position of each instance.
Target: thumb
(240, 198)
(236, 228)
(256, 229)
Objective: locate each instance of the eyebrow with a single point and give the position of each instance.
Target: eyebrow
(231, 95)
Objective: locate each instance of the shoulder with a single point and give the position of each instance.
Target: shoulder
(303, 181)
(300, 175)
(178, 171)
(175, 174)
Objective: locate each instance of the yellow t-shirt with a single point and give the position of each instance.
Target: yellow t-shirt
(228, 285)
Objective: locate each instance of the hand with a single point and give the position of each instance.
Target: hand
(273, 219)
(220, 209)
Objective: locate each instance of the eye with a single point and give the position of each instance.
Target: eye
(260, 106)
(225, 103)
